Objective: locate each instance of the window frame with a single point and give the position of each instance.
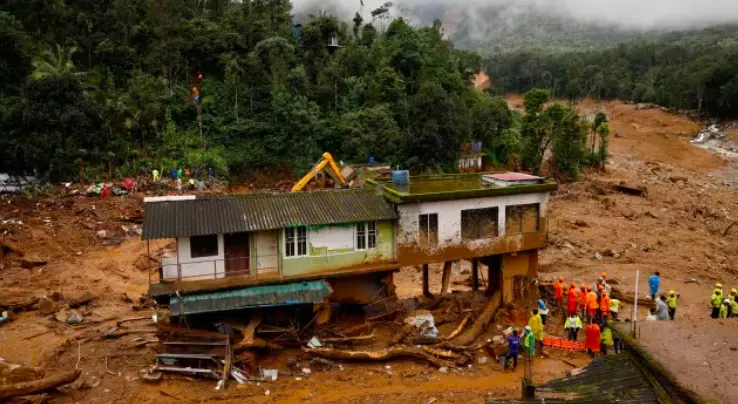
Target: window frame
(366, 236)
(520, 215)
(200, 254)
(295, 242)
(495, 231)
(426, 243)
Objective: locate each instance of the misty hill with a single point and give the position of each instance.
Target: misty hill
(504, 30)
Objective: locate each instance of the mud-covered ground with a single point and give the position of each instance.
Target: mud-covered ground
(676, 228)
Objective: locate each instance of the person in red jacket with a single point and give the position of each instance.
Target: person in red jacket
(571, 298)
(583, 301)
(559, 290)
(593, 338)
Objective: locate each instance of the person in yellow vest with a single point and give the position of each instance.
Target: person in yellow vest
(671, 301)
(716, 300)
(725, 309)
(572, 325)
(734, 301)
(536, 324)
(606, 340)
(155, 175)
(614, 309)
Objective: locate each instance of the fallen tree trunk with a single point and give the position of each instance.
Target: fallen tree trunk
(37, 386)
(358, 340)
(460, 328)
(480, 325)
(383, 355)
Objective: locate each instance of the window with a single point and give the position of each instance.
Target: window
(479, 223)
(366, 236)
(520, 286)
(295, 241)
(521, 219)
(428, 228)
(203, 246)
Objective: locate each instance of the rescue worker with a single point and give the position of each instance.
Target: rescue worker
(513, 343)
(529, 342)
(651, 316)
(155, 175)
(573, 325)
(592, 306)
(542, 311)
(592, 342)
(583, 301)
(571, 298)
(717, 298)
(604, 306)
(661, 308)
(536, 325)
(614, 309)
(734, 301)
(653, 284)
(559, 290)
(606, 340)
(725, 309)
(671, 301)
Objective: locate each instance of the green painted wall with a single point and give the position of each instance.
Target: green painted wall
(384, 253)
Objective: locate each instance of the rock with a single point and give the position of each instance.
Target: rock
(61, 315)
(74, 317)
(80, 300)
(644, 248)
(652, 215)
(597, 256)
(608, 252)
(102, 233)
(344, 377)
(678, 179)
(31, 261)
(734, 348)
(581, 223)
(46, 306)
(443, 369)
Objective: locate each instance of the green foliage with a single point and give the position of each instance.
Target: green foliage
(687, 70)
(268, 97)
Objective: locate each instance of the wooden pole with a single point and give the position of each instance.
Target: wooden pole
(475, 274)
(426, 282)
(446, 278)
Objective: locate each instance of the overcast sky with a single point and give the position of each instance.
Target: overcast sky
(641, 14)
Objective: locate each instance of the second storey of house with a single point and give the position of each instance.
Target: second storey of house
(466, 216)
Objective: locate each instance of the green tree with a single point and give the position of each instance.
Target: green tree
(54, 63)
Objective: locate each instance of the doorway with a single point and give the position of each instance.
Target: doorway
(236, 254)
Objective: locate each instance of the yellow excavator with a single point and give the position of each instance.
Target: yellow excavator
(316, 171)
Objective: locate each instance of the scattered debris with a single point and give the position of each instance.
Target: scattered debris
(630, 189)
(32, 261)
(80, 300)
(269, 374)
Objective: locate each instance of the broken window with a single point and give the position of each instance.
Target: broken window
(479, 223)
(203, 246)
(520, 287)
(366, 235)
(295, 241)
(521, 219)
(428, 227)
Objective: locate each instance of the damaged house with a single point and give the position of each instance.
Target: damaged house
(247, 251)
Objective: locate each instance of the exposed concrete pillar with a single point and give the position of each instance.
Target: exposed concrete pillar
(447, 265)
(475, 273)
(426, 282)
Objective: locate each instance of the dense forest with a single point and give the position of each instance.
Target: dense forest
(125, 86)
(688, 70)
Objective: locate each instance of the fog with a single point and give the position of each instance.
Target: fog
(625, 14)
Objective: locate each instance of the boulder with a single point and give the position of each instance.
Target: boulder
(46, 306)
(32, 261)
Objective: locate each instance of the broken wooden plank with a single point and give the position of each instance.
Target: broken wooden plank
(460, 328)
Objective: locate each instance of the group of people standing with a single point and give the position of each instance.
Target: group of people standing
(194, 177)
(724, 306)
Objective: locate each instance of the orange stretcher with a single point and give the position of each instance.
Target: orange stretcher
(562, 343)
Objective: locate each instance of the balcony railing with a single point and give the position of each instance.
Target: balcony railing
(213, 269)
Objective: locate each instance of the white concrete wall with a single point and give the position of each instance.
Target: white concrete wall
(266, 253)
(195, 268)
(332, 238)
(449, 215)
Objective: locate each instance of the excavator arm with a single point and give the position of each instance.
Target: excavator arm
(326, 160)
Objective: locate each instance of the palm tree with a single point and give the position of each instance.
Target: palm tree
(54, 63)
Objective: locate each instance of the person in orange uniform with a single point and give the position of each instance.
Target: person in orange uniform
(559, 290)
(604, 305)
(571, 298)
(592, 305)
(583, 301)
(592, 342)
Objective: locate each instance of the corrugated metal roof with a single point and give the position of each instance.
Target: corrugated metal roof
(612, 379)
(244, 213)
(255, 296)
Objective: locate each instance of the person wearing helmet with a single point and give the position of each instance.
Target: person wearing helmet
(614, 309)
(559, 290)
(603, 278)
(671, 301)
(716, 300)
(733, 296)
(536, 325)
(592, 342)
(592, 305)
(583, 301)
(604, 306)
(513, 343)
(529, 342)
(542, 311)
(725, 309)
(572, 325)
(571, 299)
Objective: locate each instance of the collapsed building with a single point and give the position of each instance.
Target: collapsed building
(343, 245)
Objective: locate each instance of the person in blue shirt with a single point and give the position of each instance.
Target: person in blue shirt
(653, 283)
(513, 342)
(542, 310)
